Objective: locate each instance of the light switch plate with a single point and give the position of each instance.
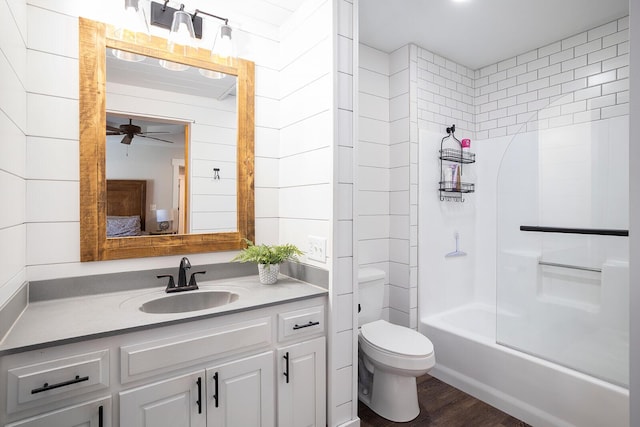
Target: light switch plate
(317, 249)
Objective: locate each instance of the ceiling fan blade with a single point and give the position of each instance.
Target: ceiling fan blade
(109, 133)
(113, 129)
(127, 139)
(153, 137)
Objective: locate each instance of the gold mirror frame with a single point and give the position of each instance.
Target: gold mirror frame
(95, 39)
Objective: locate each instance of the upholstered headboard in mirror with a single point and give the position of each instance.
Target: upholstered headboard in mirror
(126, 207)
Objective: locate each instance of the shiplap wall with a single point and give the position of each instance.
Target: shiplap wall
(13, 148)
(316, 169)
(301, 90)
(53, 238)
(305, 166)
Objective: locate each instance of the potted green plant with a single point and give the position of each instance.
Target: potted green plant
(268, 259)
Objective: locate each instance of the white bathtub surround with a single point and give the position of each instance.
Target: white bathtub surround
(531, 389)
(565, 104)
(564, 297)
(575, 319)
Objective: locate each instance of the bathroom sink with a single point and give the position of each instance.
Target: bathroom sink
(189, 301)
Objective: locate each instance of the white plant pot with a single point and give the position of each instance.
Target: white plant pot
(268, 273)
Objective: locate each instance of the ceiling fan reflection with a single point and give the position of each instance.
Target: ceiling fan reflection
(130, 131)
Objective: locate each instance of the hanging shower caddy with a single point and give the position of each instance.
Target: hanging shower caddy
(451, 186)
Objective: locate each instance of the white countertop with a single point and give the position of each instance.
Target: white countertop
(58, 321)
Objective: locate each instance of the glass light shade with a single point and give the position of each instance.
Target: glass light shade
(133, 27)
(172, 66)
(182, 33)
(223, 45)
(210, 74)
(180, 39)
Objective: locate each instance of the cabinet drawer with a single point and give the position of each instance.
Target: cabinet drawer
(94, 413)
(56, 379)
(298, 323)
(155, 357)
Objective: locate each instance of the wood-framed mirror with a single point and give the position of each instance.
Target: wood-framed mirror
(96, 39)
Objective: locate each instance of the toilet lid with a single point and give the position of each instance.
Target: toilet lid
(396, 339)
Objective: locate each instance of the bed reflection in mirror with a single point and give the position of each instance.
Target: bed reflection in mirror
(176, 133)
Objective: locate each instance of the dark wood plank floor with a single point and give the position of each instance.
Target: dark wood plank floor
(444, 406)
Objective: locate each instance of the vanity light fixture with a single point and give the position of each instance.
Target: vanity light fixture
(133, 26)
(184, 33)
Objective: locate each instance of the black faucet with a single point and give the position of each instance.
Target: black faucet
(182, 272)
(182, 278)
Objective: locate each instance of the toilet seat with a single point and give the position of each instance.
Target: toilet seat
(396, 340)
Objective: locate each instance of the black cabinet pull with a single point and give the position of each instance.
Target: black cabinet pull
(286, 366)
(100, 410)
(47, 387)
(215, 388)
(306, 325)
(199, 401)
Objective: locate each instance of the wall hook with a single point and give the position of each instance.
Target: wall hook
(216, 173)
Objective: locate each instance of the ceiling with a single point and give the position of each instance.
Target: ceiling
(476, 33)
(150, 74)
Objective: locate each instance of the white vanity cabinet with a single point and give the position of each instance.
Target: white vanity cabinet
(174, 402)
(96, 413)
(237, 393)
(302, 384)
(240, 393)
(227, 370)
(49, 386)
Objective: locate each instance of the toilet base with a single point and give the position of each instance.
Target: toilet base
(392, 396)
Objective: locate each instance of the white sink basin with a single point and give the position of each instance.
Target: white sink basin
(188, 301)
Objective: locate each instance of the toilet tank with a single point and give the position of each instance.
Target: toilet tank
(370, 294)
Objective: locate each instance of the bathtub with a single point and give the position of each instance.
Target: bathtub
(538, 392)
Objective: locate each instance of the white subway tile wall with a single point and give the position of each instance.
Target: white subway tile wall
(374, 162)
(582, 78)
(13, 131)
(343, 361)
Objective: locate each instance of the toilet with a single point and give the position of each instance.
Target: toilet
(390, 357)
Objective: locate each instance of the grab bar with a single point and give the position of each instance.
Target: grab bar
(592, 231)
(574, 267)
